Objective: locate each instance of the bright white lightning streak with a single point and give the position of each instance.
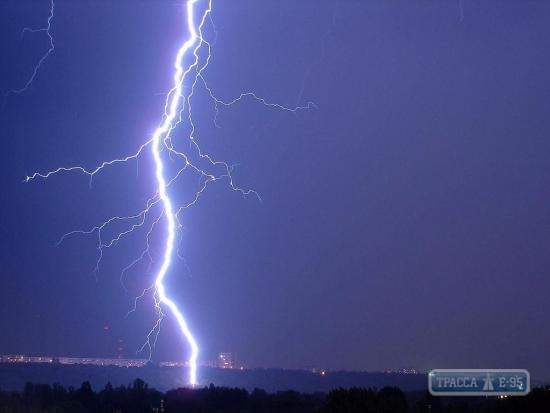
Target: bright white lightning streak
(175, 96)
(175, 104)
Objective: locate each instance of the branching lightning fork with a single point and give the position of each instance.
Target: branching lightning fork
(47, 30)
(190, 64)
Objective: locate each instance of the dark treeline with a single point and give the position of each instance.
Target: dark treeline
(138, 398)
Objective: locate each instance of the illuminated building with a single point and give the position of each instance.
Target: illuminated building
(225, 361)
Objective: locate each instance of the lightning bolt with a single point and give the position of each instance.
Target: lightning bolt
(47, 30)
(190, 64)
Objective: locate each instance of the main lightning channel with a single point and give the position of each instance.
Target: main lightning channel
(172, 101)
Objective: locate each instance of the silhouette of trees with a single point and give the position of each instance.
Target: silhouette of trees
(139, 398)
(358, 400)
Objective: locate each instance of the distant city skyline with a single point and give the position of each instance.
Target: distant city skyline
(224, 360)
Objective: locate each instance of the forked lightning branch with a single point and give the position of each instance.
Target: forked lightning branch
(161, 214)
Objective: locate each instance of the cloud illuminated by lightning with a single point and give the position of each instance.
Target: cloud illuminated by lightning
(190, 64)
